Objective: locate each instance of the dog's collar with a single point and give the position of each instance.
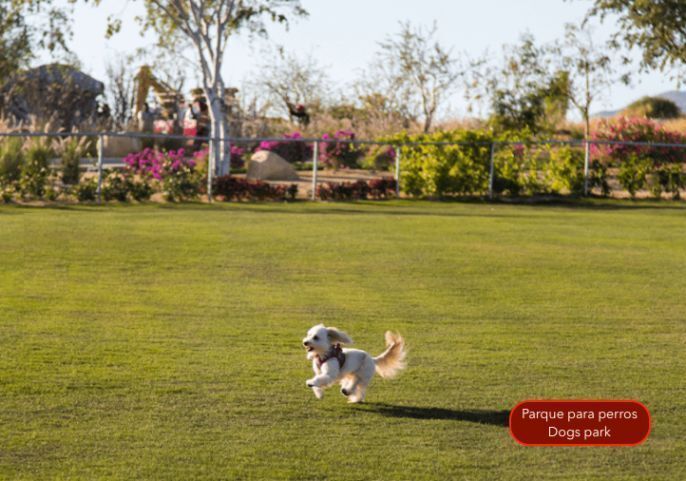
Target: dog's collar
(334, 353)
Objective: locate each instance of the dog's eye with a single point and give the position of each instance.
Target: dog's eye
(315, 338)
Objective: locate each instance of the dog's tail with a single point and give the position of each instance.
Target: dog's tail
(392, 360)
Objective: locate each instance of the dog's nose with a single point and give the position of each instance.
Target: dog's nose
(306, 343)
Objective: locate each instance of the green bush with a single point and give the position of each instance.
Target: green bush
(7, 193)
(516, 171)
(184, 183)
(140, 190)
(445, 170)
(71, 150)
(379, 157)
(633, 173)
(598, 177)
(668, 178)
(565, 170)
(86, 190)
(35, 170)
(11, 160)
(115, 187)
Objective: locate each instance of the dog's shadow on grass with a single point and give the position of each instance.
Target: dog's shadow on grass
(481, 416)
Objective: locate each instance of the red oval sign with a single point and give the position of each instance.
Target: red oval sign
(580, 423)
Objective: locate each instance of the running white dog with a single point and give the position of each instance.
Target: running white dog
(352, 368)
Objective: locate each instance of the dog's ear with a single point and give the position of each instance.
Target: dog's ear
(336, 336)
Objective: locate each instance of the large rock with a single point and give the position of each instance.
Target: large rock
(265, 165)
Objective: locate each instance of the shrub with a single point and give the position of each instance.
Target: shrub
(342, 153)
(86, 190)
(140, 190)
(7, 193)
(633, 172)
(380, 157)
(115, 187)
(383, 188)
(35, 170)
(444, 170)
(669, 179)
(147, 162)
(180, 180)
(238, 189)
(565, 170)
(11, 160)
(201, 157)
(176, 173)
(71, 150)
(516, 171)
(637, 130)
(289, 151)
(598, 177)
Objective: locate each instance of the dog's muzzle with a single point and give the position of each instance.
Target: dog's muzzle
(308, 348)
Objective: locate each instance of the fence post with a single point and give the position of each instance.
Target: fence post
(100, 162)
(491, 172)
(587, 164)
(210, 168)
(315, 169)
(397, 172)
(228, 157)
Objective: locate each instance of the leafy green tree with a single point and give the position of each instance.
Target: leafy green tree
(653, 108)
(658, 27)
(524, 91)
(27, 26)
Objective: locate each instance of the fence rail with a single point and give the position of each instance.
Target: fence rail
(214, 170)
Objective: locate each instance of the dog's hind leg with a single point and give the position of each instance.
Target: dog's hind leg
(363, 377)
(358, 395)
(349, 385)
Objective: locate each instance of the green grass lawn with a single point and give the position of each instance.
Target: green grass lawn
(163, 342)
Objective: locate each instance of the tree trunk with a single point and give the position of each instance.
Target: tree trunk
(219, 155)
(427, 124)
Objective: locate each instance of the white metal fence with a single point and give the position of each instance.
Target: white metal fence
(100, 162)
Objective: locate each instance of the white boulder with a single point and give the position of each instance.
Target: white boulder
(265, 165)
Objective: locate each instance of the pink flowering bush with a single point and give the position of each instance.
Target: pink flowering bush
(638, 130)
(201, 157)
(176, 173)
(290, 151)
(342, 153)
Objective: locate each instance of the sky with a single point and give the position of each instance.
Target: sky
(343, 36)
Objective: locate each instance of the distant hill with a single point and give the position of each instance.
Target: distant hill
(679, 98)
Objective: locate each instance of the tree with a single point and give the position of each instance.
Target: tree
(298, 85)
(653, 108)
(658, 27)
(120, 89)
(208, 25)
(384, 101)
(590, 70)
(419, 64)
(524, 91)
(27, 26)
